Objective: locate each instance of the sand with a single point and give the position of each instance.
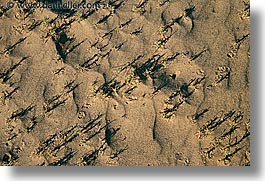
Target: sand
(134, 83)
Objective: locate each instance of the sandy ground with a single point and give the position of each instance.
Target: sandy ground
(133, 83)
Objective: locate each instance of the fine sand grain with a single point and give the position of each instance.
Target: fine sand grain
(133, 83)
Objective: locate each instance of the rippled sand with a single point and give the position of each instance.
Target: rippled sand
(136, 83)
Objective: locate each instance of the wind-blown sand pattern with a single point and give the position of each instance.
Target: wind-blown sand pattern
(133, 83)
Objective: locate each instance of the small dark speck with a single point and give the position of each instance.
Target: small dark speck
(6, 158)
(173, 76)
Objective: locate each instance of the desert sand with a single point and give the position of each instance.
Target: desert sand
(132, 83)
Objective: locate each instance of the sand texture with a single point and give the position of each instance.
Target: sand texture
(133, 83)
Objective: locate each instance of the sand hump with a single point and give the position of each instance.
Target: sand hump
(125, 83)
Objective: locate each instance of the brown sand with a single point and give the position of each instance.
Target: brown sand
(159, 83)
